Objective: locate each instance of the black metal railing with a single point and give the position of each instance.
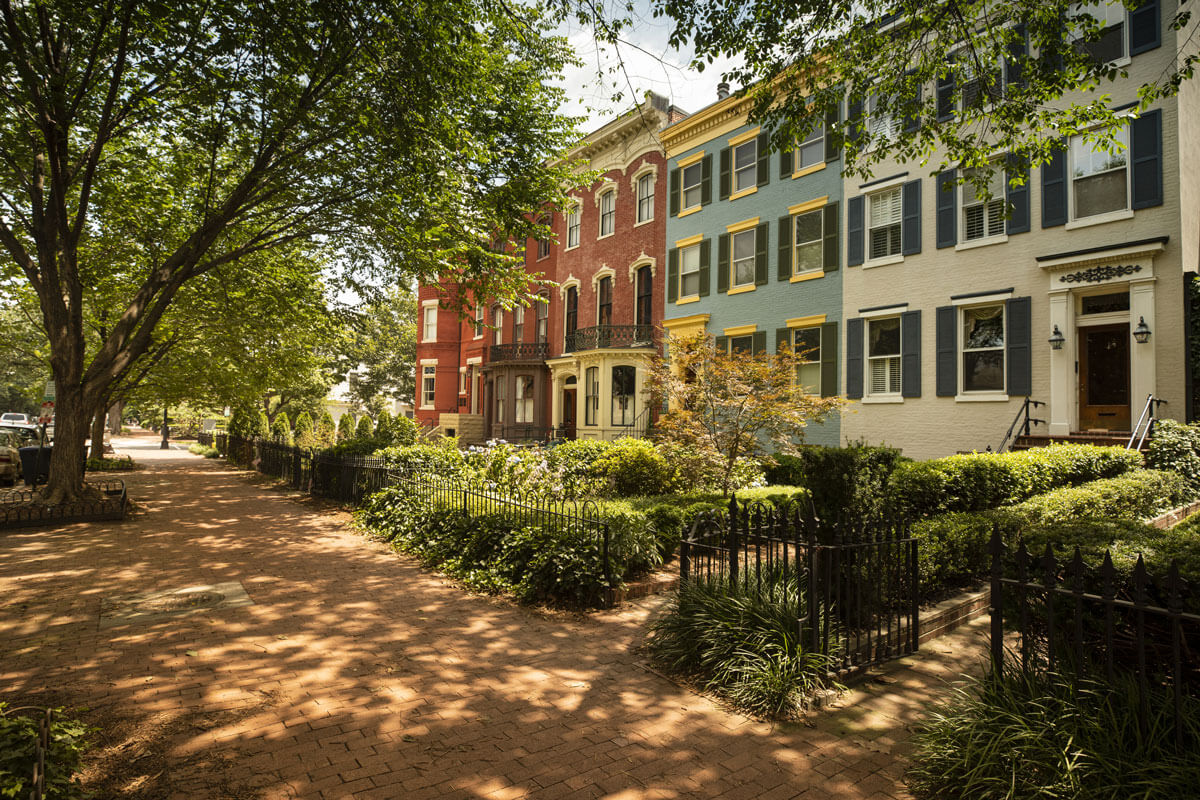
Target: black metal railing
(109, 501)
(1095, 621)
(345, 478)
(520, 432)
(609, 336)
(1145, 423)
(518, 351)
(852, 592)
(1022, 424)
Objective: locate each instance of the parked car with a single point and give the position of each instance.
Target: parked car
(23, 435)
(10, 459)
(12, 417)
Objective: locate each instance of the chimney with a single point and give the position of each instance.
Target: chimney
(722, 90)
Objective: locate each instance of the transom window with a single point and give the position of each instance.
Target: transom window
(743, 257)
(885, 219)
(745, 165)
(623, 380)
(806, 344)
(524, 399)
(983, 218)
(608, 212)
(983, 349)
(645, 198)
(428, 385)
(1109, 46)
(808, 242)
(811, 150)
(1099, 180)
(573, 226)
(883, 356)
(689, 271)
(1104, 303)
(693, 175)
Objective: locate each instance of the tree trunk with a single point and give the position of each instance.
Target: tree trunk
(71, 419)
(98, 426)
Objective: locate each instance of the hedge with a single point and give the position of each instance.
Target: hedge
(1141, 493)
(1176, 447)
(978, 481)
(844, 481)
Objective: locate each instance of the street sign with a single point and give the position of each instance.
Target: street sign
(48, 393)
(46, 416)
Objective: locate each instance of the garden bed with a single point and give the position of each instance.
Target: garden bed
(22, 509)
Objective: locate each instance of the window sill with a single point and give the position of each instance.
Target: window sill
(749, 190)
(981, 397)
(1099, 219)
(569, 249)
(742, 289)
(882, 399)
(691, 210)
(882, 262)
(984, 242)
(606, 236)
(685, 300)
(807, 276)
(643, 222)
(800, 173)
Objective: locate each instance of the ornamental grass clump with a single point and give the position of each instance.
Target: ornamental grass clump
(741, 643)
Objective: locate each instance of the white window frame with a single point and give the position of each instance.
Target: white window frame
(462, 380)
(994, 210)
(628, 408)
(518, 324)
(480, 314)
(683, 258)
(542, 321)
(591, 396)
(797, 244)
(816, 140)
(803, 361)
(497, 325)
(898, 358)
(574, 216)
(501, 387)
(898, 223)
(1103, 12)
(697, 187)
(428, 385)
(880, 126)
(734, 238)
(523, 400)
(607, 203)
(429, 322)
(963, 351)
(1073, 167)
(738, 173)
(644, 194)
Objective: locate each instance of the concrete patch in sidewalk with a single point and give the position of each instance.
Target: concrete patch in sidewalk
(151, 606)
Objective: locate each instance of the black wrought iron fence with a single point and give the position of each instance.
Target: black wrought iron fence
(1069, 616)
(852, 592)
(205, 439)
(41, 748)
(104, 500)
(347, 479)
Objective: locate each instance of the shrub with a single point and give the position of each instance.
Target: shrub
(435, 459)
(363, 430)
(511, 470)
(305, 434)
(1176, 447)
(1017, 735)
(1141, 493)
(633, 467)
(326, 432)
(281, 429)
(404, 431)
(64, 757)
(204, 450)
(385, 428)
(345, 427)
(979, 481)
(262, 427)
(574, 462)
(844, 481)
(124, 464)
(671, 516)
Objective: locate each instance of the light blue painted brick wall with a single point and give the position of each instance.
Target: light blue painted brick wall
(769, 305)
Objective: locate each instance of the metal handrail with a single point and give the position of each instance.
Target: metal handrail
(1025, 424)
(1145, 423)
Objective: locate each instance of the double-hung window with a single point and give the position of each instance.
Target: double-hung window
(623, 380)
(543, 330)
(524, 399)
(497, 325)
(462, 380)
(645, 198)
(811, 150)
(741, 344)
(808, 243)
(881, 124)
(742, 246)
(591, 400)
(644, 311)
(983, 218)
(983, 349)
(689, 271)
(429, 327)
(608, 212)
(428, 386)
(806, 344)
(478, 320)
(884, 234)
(693, 176)
(1099, 180)
(745, 165)
(519, 324)
(572, 226)
(1110, 44)
(543, 248)
(883, 356)
(501, 398)
(572, 313)
(604, 301)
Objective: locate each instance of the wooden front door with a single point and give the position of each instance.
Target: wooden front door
(568, 414)
(1104, 377)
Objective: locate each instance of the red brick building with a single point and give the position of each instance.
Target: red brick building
(572, 361)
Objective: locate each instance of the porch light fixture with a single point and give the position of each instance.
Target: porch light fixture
(1142, 332)
(1057, 339)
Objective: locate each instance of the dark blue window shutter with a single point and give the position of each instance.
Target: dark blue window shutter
(853, 119)
(674, 202)
(947, 351)
(854, 358)
(945, 93)
(783, 340)
(1054, 189)
(1017, 196)
(829, 359)
(706, 180)
(1145, 28)
(1145, 145)
(1020, 347)
(855, 231)
(910, 231)
(722, 344)
(913, 121)
(1014, 62)
(947, 209)
(726, 175)
(758, 343)
(910, 354)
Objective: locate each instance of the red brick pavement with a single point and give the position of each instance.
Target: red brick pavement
(356, 674)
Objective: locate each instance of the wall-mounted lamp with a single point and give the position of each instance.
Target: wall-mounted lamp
(1142, 332)
(1057, 339)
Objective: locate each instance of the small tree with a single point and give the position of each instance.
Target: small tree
(385, 428)
(281, 429)
(263, 429)
(727, 407)
(363, 430)
(305, 435)
(405, 431)
(345, 428)
(326, 433)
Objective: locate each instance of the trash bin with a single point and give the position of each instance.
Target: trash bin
(32, 465)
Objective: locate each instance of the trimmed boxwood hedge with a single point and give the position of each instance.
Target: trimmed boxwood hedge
(1141, 493)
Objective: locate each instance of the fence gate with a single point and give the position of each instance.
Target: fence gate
(851, 589)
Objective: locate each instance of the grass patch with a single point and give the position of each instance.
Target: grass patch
(204, 450)
(123, 464)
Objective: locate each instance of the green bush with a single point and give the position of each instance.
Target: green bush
(672, 516)
(574, 462)
(978, 481)
(1017, 735)
(306, 435)
(363, 430)
(404, 431)
(385, 429)
(1141, 493)
(1189, 525)
(741, 643)
(345, 427)
(262, 426)
(204, 450)
(64, 758)
(326, 431)
(436, 459)
(124, 464)
(1176, 447)
(281, 429)
(634, 467)
(844, 481)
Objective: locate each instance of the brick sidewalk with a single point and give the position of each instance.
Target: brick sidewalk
(354, 673)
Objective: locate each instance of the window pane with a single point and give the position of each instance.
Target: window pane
(745, 165)
(983, 371)
(743, 258)
(983, 327)
(885, 207)
(1104, 303)
(809, 258)
(808, 227)
(808, 378)
(1100, 194)
(741, 344)
(691, 185)
(885, 337)
(807, 344)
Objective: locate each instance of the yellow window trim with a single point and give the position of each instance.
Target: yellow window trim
(690, 210)
(740, 330)
(681, 322)
(685, 300)
(749, 190)
(744, 225)
(800, 173)
(811, 205)
(689, 241)
(742, 138)
(750, 287)
(808, 276)
(806, 322)
(689, 160)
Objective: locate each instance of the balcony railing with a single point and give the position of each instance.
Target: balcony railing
(519, 351)
(609, 336)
